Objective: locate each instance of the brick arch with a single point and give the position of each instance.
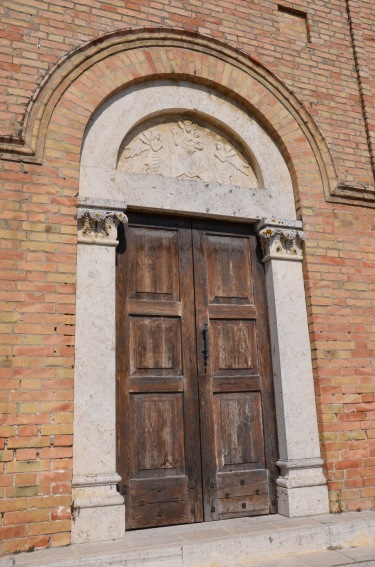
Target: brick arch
(60, 110)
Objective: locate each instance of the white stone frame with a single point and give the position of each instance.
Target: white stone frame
(105, 194)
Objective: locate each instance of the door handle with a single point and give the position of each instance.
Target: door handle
(205, 350)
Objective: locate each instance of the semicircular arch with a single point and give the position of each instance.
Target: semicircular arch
(93, 73)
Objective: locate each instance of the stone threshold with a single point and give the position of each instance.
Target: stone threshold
(228, 543)
(345, 557)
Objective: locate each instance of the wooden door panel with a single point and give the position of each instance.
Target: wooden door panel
(196, 436)
(235, 345)
(156, 502)
(238, 428)
(156, 274)
(228, 269)
(241, 483)
(158, 443)
(249, 505)
(155, 346)
(237, 375)
(158, 439)
(159, 491)
(243, 494)
(160, 308)
(230, 311)
(236, 383)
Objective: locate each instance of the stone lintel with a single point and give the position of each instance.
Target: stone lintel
(96, 203)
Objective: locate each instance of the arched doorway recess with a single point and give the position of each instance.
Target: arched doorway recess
(138, 154)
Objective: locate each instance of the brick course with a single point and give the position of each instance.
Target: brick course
(332, 73)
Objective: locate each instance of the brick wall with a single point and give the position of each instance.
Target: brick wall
(322, 51)
(341, 292)
(37, 335)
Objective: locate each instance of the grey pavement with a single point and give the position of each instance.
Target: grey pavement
(359, 557)
(267, 541)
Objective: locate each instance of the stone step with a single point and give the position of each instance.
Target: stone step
(345, 557)
(228, 543)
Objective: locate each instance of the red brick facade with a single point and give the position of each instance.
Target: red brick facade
(317, 98)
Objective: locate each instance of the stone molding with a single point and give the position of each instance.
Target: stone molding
(301, 487)
(300, 463)
(300, 473)
(29, 146)
(281, 240)
(98, 490)
(95, 479)
(97, 223)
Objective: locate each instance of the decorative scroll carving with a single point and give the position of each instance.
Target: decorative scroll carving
(281, 241)
(181, 148)
(99, 226)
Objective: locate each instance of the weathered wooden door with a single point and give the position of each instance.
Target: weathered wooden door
(196, 424)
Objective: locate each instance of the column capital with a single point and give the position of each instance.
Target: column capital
(98, 221)
(281, 239)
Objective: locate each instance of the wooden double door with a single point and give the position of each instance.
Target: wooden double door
(196, 424)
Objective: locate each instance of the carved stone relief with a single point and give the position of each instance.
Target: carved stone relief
(181, 148)
(281, 241)
(98, 226)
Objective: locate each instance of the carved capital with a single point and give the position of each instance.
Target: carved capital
(99, 226)
(281, 240)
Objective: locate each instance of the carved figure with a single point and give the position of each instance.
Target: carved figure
(226, 158)
(183, 149)
(148, 142)
(188, 162)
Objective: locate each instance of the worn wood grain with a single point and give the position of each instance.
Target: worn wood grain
(230, 300)
(158, 423)
(196, 440)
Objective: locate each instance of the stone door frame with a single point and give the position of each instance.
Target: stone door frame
(105, 193)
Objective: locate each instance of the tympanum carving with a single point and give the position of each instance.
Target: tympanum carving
(188, 157)
(181, 148)
(149, 142)
(227, 156)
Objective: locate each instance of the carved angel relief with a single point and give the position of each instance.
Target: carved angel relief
(183, 149)
(149, 142)
(227, 157)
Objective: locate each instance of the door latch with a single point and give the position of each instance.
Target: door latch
(206, 350)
